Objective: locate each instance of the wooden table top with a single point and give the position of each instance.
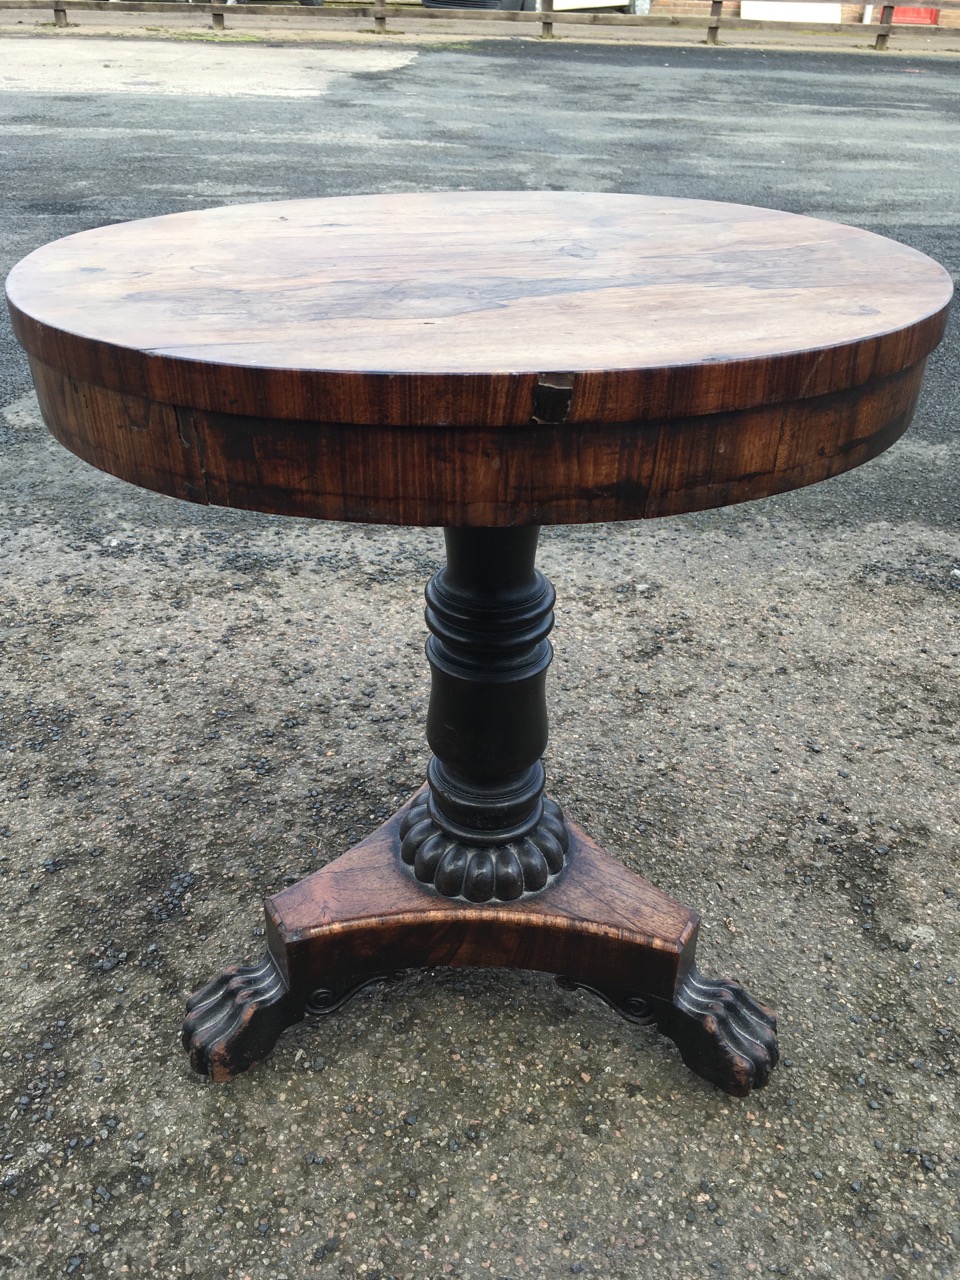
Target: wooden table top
(464, 320)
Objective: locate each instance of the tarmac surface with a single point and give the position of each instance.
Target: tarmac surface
(758, 708)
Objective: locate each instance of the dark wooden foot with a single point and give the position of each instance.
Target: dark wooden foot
(597, 924)
(723, 1034)
(235, 1020)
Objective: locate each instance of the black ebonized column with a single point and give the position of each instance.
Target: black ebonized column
(484, 830)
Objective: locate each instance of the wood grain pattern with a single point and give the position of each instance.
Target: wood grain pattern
(478, 358)
(479, 284)
(366, 912)
(487, 477)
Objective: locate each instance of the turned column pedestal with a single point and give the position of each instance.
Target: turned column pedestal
(481, 868)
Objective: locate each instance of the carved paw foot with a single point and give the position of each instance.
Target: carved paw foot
(483, 873)
(235, 1020)
(723, 1034)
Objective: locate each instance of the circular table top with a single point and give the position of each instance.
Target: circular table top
(456, 285)
(480, 311)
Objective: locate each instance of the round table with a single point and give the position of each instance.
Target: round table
(489, 363)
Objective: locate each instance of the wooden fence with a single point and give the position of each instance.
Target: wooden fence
(380, 12)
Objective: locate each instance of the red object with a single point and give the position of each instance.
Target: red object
(916, 17)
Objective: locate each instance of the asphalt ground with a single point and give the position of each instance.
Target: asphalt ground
(758, 708)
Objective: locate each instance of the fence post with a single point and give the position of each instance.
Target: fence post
(380, 16)
(59, 15)
(883, 35)
(713, 26)
(217, 18)
(546, 19)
